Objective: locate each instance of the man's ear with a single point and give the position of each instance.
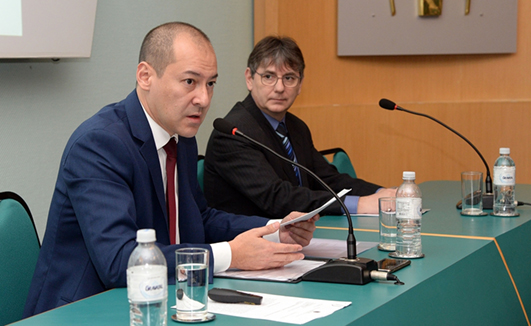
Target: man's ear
(299, 87)
(144, 73)
(249, 79)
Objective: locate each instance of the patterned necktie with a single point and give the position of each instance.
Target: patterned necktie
(282, 132)
(171, 161)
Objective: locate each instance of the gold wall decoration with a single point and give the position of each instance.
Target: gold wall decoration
(430, 8)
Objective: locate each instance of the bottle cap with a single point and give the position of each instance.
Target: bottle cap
(145, 235)
(408, 175)
(505, 151)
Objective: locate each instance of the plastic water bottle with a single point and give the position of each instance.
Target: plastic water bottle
(504, 184)
(147, 282)
(408, 216)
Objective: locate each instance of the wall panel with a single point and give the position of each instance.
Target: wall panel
(481, 96)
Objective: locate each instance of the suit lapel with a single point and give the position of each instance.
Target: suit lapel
(142, 132)
(191, 228)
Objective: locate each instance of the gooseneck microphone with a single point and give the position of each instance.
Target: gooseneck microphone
(350, 270)
(225, 127)
(487, 196)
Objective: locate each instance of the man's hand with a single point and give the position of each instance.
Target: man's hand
(369, 204)
(300, 232)
(251, 252)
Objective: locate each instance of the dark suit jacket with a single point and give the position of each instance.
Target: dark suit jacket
(109, 186)
(242, 178)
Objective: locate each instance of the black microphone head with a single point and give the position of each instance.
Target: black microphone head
(223, 126)
(386, 104)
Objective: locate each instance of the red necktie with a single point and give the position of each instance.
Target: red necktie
(171, 161)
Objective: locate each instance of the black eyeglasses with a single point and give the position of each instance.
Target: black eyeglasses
(271, 80)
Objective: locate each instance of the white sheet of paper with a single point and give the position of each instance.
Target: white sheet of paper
(287, 273)
(293, 310)
(311, 214)
(318, 248)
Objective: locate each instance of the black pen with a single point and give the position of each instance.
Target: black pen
(233, 296)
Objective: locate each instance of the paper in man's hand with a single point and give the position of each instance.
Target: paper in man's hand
(311, 214)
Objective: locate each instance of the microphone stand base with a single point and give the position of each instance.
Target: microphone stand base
(488, 200)
(348, 271)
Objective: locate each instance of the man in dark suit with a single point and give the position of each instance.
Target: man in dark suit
(112, 179)
(242, 178)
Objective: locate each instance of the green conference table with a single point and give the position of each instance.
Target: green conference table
(475, 272)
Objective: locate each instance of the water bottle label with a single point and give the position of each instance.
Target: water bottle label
(407, 207)
(504, 175)
(147, 283)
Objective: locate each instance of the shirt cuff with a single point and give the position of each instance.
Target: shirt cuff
(352, 204)
(274, 237)
(222, 256)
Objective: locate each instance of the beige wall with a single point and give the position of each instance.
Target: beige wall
(487, 98)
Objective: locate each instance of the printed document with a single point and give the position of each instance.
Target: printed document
(311, 214)
(322, 249)
(293, 310)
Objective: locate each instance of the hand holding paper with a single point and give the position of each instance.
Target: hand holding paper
(309, 215)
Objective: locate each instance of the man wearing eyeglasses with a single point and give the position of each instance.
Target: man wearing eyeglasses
(243, 178)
